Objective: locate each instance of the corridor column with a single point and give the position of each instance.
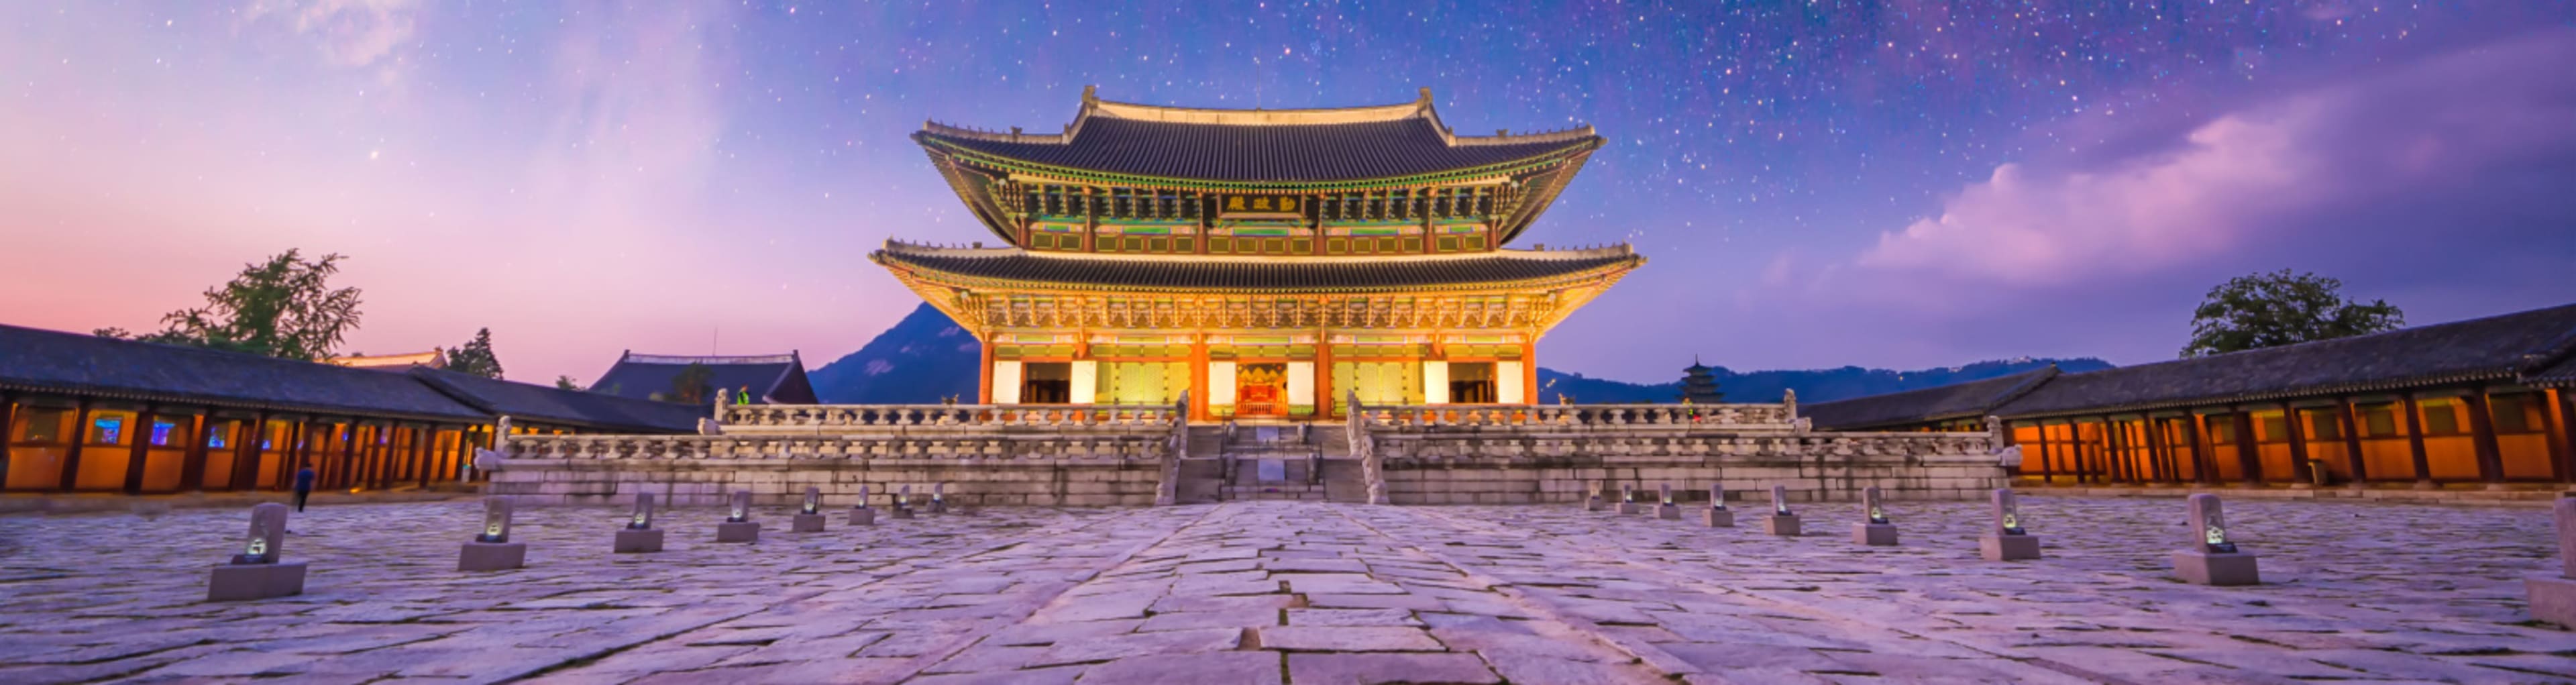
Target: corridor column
(2415, 441)
(2352, 442)
(2482, 434)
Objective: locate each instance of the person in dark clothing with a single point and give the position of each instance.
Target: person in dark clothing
(303, 486)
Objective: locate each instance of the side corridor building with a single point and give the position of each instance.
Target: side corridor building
(83, 413)
(2477, 401)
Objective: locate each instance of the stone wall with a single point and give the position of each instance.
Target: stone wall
(1430, 455)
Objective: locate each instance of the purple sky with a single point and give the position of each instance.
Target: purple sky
(1896, 185)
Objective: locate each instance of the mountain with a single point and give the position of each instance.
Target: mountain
(921, 359)
(1813, 385)
(926, 357)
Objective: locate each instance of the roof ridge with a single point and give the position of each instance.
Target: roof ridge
(1589, 252)
(709, 358)
(2349, 339)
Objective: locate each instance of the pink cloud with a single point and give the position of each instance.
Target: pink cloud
(2263, 171)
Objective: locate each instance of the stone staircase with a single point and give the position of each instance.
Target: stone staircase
(1270, 462)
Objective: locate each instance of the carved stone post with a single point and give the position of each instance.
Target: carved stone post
(491, 549)
(2212, 558)
(1874, 529)
(259, 572)
(1781, 522)
(2005, 539)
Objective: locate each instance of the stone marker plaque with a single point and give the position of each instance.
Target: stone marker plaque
(738, 526)
(1592, 496)
(496, 519)
(1628, 498)
(639, 535)
(2212, 557)
(2553, 596)
(1781, 522)
(1666, 510)
(491, 549)
(2005, 539)
(903, 502)
(862, 514)
(259, 571)
(939, 498)
(1874, 529)
(1717, 516)
(809, 513)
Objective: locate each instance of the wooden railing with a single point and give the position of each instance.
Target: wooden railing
(835, 418)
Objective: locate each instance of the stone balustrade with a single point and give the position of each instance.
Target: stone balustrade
(1733, 417)
(856, 418)
(1535, 442)
(961, 445)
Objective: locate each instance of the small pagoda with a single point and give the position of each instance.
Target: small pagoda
(1699, 385)
(1265, 261)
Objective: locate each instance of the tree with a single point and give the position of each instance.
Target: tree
(2265, 310)
(283, 307)
(690, 385)
(475, 356)
(567, 383)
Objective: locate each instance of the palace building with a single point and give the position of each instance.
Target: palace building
(1265, 261)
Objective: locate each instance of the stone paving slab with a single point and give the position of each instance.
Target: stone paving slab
(1293, 592)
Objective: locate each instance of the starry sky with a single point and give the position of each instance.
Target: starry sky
(1901, 184)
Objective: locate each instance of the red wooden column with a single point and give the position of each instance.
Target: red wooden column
(2159, 449)
(140, 438)
(2047, 473)
(2482, 434)
(2415, 440)
(2249, 454)
(2113, 452)
(192, 470)
(72, 455)
(246, 452)
(983, 373)
(1324, 402)
(2298, 430)
(2554, 418)
(424, 445)
(348, 454)
(1199, 384)
(2203, 469)
(2352, 441)
(9, 431)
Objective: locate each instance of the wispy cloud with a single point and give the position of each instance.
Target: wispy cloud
(347, 33)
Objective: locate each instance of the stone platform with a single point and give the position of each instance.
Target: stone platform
(1298, 592)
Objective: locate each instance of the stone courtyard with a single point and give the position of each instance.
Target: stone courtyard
(1293, 592)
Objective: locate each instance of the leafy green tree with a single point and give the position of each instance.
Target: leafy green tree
(475, 356)
(2281, 308)
(283, 307)
(690, 385)
(567, 383)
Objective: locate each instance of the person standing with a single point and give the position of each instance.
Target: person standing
(303, 486)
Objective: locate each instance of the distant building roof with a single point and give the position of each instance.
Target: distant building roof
(772, 379)
(1253, 274)
(2507, 347)
(544, 404)
(435, 358)
(1972, 399)
(72, 363)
